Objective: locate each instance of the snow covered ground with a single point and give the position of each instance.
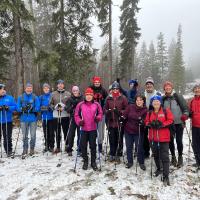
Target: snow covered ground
(38, 178)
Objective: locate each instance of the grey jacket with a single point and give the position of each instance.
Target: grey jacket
(59, 97)
(177, 105)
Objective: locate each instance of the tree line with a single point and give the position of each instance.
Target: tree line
(43, 40)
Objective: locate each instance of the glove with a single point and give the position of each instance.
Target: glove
(44, 108)
(140, 121)
(153, 124)
(81, 123)
(158, 124)
(148, 125)
(122, 119)
(24, 109)
(60, 107)
(184, 117)
(6, 108)
(96, 119)
(116, 111)
(1, 108)
(29, 107)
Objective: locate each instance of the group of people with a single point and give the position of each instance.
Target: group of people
(146, 119)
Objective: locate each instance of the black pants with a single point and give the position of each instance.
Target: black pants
(116, 143)
(196, 143)
(48, 133)
(58, 123)
(161, 154)
(88, 136)
(179, 140)
(146, 145)
(71, 135)
(7, 136)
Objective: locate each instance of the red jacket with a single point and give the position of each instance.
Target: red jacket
(195, 111)
(163, 134)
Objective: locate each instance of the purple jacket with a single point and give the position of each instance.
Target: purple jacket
(131, 114)
(88, 111)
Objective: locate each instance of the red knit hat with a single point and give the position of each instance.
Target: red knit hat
(89, 91)
(167, 83)
(96, 78)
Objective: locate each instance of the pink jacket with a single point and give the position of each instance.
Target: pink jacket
(87, 111)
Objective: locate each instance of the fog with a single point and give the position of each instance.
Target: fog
(162, 16)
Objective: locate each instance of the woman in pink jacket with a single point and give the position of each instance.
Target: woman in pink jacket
(87, 114)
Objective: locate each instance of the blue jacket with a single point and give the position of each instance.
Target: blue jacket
(33, 100)
(9, 101)
(45, 101)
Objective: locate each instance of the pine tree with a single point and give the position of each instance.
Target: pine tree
(178, 71)
(129, 36)
(171, 54)
(161, 59)
(143, 65)
(116, 59)
(152, 61)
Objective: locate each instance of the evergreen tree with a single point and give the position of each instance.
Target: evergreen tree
(161, 59)
(129, 36)
(171, 54)
(152, 61)
(178, 70)
(116, 59)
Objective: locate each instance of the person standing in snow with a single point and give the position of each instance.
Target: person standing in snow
(149, 92)
(7, 107)
(195, 117)
(28, 105)
(72, 102)
(134, 130)
(115, 105)
(179, 108)
(47, 118)
(100, 95)
(87, 115)
(61, 117)
(158, 122)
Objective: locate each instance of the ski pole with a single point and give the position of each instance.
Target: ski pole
(59, 117)
(152, 144)
(106, 145)
(46, 134)
(99, 154)
(1, 135)
(119, 136)
(137, 151)
(5, 112)
(190, 141)
(70, 122)
(79, 143)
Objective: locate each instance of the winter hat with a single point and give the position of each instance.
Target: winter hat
(149, 80)
(46, 85)
(133, 81)
(156, 97)
(89, 91)
(28, 85)
(75, 88)
(60, 81)
(96, 79)
(2, 86)
(196, 86)
(167, 83)
(115, 85)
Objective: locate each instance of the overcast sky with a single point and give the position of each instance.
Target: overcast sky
(162, 16)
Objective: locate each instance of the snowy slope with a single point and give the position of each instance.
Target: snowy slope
(39, 178)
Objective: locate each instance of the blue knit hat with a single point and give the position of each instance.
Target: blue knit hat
(28, 84)
(156, 97)
(60, 81)
(133, 81)
(115, 85)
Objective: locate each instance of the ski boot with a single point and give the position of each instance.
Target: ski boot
(180, 162)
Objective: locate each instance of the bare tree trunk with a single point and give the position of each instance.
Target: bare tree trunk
(20, 79)
(62, 35)
(110, 43)
(35, 67)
